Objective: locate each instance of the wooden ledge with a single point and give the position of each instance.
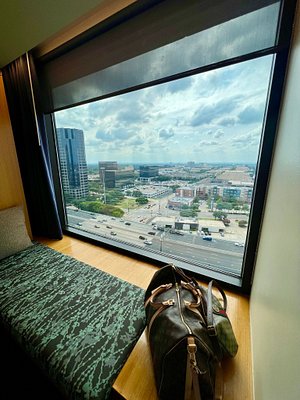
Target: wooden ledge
(136, 380)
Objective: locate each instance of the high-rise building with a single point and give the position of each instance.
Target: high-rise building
(72, 160)
(106, 166)
(148, 171)
(122, 178)
(111, 176)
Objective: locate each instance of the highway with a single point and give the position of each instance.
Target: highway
(191, 247)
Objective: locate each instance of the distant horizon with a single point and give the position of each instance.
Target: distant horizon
(246, 164)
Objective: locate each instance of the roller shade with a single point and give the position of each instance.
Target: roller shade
(167, 39)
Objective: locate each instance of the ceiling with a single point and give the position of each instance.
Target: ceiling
(24, 24)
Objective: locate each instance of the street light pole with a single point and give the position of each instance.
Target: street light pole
(103, 184)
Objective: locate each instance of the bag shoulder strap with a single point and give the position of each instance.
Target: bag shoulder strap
(210, 322)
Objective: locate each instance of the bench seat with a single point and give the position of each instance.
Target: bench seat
(76, 322)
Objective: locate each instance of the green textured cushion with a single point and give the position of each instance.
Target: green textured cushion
(78, 323)
(13, 232)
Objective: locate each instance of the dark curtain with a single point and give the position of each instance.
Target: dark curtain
(32, 148)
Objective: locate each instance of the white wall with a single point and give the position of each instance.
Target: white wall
(275, 298)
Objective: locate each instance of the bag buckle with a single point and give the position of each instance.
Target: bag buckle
(211, 330)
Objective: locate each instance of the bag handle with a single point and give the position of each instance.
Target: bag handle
(156, 292)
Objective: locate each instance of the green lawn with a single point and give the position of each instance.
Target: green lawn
(127, 203)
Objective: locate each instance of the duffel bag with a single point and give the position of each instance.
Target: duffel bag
(189, 333)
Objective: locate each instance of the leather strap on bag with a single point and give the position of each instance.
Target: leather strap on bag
(192, 372)
(219, 384)
(211, 329)
(210, 321)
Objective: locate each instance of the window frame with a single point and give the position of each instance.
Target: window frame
(264, 163)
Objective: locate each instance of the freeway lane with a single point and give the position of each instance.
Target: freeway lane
(143, 229)
(232, 262)
(219, 253)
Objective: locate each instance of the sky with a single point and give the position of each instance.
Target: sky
(214, 116)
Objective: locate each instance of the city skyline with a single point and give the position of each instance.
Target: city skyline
(213, 117)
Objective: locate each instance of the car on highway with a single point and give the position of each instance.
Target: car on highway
(79, 223)
(151, 233)
(113, 233)
(148, 242)
(238, 244)
(142, 237)
(127, 223)
(208, 238)
(97, 226)
(175, 232)
(108, 226)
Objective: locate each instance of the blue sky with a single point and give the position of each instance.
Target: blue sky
(215, 116)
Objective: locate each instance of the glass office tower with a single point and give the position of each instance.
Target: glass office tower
(72, 159)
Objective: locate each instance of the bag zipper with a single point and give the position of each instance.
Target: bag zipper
(181, 315)
(180, 310)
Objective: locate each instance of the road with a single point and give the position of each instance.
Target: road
(191, 247)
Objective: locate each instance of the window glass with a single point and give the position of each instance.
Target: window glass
(169, 169)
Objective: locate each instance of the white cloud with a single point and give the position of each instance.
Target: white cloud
(214, 116)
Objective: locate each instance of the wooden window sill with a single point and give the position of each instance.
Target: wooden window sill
(136, 380)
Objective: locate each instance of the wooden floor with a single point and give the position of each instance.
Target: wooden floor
(136, 381)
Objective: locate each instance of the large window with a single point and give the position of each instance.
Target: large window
(165, 151)
(170, 167)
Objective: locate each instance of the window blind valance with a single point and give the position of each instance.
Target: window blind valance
(167, 39)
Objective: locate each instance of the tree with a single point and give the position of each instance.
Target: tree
(219, 214)
(114, 196)
(188, 213)
(98, 207)
(137, 193)
(227, 206)
(196, 200)
(162, 178)
(68, 198)
(220, 205)
(174, 187)
(185, 207)
(94, 186)
(142, 200)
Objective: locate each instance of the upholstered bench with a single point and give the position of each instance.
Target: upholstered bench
(75, 322)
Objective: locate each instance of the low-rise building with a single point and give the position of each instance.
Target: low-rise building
(186, 224)
(177, 202)
(186, 191)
